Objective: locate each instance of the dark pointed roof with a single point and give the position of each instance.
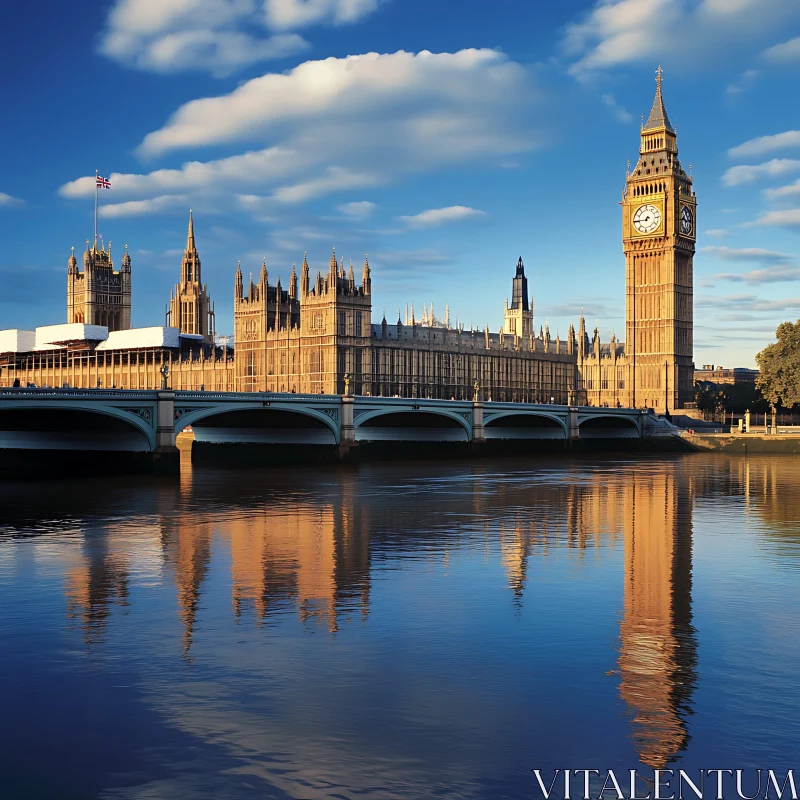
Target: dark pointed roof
(658, 114)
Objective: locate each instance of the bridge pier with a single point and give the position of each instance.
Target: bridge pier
(166, 457)
(574, 429)
(478, 445)
(347, 431)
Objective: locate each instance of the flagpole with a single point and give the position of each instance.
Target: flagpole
(95, 209)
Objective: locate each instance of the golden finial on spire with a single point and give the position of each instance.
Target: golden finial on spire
(659, 73)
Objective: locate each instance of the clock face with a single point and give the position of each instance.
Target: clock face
(687, 220)
(646, 219)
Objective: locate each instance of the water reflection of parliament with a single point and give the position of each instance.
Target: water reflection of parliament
(315, 559)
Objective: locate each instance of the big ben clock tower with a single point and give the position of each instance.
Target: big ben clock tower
(659, 228)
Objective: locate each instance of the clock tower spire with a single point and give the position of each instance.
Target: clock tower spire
(658, 239)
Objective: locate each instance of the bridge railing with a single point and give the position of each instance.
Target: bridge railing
(111, 394)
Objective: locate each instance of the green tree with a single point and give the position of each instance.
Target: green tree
(709, 398)
(779, 363)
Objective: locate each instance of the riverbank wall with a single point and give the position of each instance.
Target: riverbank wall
(743, 444)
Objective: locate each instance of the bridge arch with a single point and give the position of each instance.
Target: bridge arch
(54, 425)
(412, 425)
(519, 424)
(320, 428)
(609, 426)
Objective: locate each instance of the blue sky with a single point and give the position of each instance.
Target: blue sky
(444, 139)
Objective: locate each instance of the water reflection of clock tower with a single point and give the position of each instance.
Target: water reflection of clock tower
(659, 232)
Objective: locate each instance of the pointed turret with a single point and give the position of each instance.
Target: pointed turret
(304, 277)
(293, 283)
(237, 286)
(333, 269)
(366, 280)
(126, 260)
(263, 278)
(352, 278)
(519, 296)
(658, 149)
(190, 245)
(658, 113)
(72, 264)
(190, 266)
(277, 304)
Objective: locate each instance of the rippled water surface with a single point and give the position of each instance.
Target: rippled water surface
(411, 630)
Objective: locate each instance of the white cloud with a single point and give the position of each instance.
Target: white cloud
(7, 200)
(360, 209)
(766, 144)
(255, 167)
(343, 124)
(779, 219)
(775, 274)
(747, 302)
(791, 190)
(617, 32)
(744, 82)
(747, 254)
(218, 36)
(438, 216)
(377, 88)
(784, 53)
(748, 173)
(622, 114)
(335, 179)
(293, 14)
(717, 233)
(137, 208)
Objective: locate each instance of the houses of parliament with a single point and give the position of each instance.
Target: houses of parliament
(317, 335)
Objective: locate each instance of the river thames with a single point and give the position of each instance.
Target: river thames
(403, 630)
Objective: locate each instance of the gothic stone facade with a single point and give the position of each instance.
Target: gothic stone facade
(319, 339)
(99, 295)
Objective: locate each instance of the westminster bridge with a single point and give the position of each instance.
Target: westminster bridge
(82, 424)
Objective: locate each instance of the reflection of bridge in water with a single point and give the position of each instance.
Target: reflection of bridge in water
(145, 423)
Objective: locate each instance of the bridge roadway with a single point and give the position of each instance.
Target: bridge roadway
(147, 422)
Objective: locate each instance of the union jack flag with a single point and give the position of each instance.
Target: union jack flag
(103, 183)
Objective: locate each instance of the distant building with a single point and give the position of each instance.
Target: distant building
(90, 356)
(190, 308)
(714, 374)
(99, 295)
